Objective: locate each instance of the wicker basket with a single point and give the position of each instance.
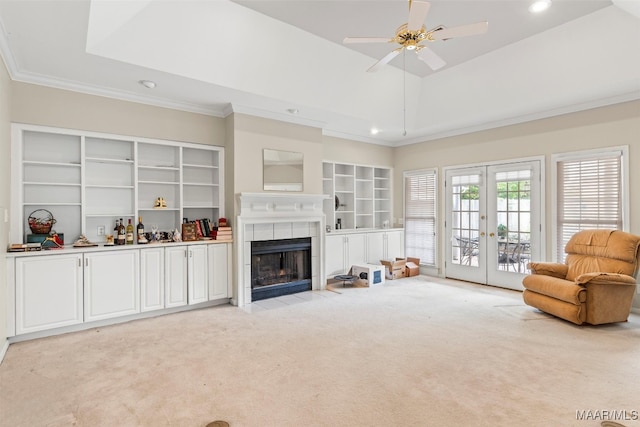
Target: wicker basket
(41, 221)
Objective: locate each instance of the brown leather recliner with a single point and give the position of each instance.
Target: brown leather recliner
(596, 283)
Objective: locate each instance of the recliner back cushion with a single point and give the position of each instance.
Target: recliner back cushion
(608, 251)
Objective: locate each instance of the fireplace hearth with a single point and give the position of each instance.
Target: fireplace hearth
(280, 267)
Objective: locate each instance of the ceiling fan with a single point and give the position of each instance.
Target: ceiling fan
(410, 36)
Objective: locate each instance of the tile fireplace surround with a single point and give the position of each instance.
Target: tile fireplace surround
(272, 216)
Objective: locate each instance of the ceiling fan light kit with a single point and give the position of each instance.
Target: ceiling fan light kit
(411, 34)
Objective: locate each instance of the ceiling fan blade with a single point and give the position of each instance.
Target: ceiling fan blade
(417, 15)
(348, 40)
(431, 58)
(461, 31)
(384, 60)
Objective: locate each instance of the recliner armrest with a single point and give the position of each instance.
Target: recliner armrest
(605, 279)
(552, 269)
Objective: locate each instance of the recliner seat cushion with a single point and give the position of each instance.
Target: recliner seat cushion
(561, 289)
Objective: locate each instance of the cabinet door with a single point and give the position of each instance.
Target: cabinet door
(219, 271)
(395, 244)
(112, 285)
(175, 289)
(356, 250)
(151, 279)
(376, 247)
(48, 292)
(197, 274)
(334, 247)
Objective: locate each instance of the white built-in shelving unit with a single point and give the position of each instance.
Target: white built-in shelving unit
(362, 194)
(89, 180)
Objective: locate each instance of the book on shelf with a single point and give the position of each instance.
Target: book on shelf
(24, 247)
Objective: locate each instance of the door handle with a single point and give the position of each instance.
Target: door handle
(492, 234)
(482, 234)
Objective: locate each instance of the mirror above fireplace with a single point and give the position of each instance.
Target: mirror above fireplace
(282, 170)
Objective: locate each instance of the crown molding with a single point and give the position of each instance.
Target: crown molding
(573, 108)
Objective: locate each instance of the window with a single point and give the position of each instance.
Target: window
(590, 193)
(420, 215)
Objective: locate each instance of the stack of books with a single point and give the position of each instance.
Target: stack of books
(203, 227)
(222, 233)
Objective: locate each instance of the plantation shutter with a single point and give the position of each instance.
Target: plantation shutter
(589, 195)
(420, 216)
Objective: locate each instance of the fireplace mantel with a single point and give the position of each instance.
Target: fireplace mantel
(271, 216)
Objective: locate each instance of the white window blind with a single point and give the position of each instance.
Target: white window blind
(589, 195)
(420, 216)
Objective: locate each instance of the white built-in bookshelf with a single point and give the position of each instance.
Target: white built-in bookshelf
(88, 180)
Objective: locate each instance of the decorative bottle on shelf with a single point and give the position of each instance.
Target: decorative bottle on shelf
(140, 237)
(122, 233)
(116, 230)
(129, 235)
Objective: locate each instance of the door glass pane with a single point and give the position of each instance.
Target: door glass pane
(465, 219)
(513, 214)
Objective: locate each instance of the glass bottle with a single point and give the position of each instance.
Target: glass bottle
(140, 231)
(122, 233)
(129, 235)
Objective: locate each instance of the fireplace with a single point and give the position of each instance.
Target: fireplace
(264, 218)
(280, 267)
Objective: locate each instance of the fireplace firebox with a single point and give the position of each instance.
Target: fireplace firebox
(280, 267)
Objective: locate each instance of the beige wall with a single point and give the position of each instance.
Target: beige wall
(253, 134)
(5, 156)
(46, 106)
(346, 151)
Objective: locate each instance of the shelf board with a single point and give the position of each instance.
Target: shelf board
(201, 207)
(158, 209)
(110, 187)
(107, 214)
(40, 163)
(191, 165)
(199, 184)
(108, 160)
(159, 182)
(56, 184)
(365, 214)
(158, 167)
(51, 204)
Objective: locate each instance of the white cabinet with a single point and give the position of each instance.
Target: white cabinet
(89, 180)
(151, 279)
(359, 196)
(384, 245)
(111, 282)
(344, 250)
(219, 271)
(48, 292)
(186, 275)
(197, 274)
(175, 263)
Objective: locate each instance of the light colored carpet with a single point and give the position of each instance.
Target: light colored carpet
(413, 352)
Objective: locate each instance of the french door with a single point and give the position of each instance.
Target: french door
(493, 222)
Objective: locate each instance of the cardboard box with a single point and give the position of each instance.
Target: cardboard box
(412, 267)
(395, 269)
(372, 274)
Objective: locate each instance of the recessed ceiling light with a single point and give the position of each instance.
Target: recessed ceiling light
(374, 131)
(293, 110)
(148, 84)
(539, 6)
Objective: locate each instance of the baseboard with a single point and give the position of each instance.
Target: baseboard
(4, 349)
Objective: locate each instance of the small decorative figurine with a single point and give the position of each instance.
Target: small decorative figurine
(160, 203)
